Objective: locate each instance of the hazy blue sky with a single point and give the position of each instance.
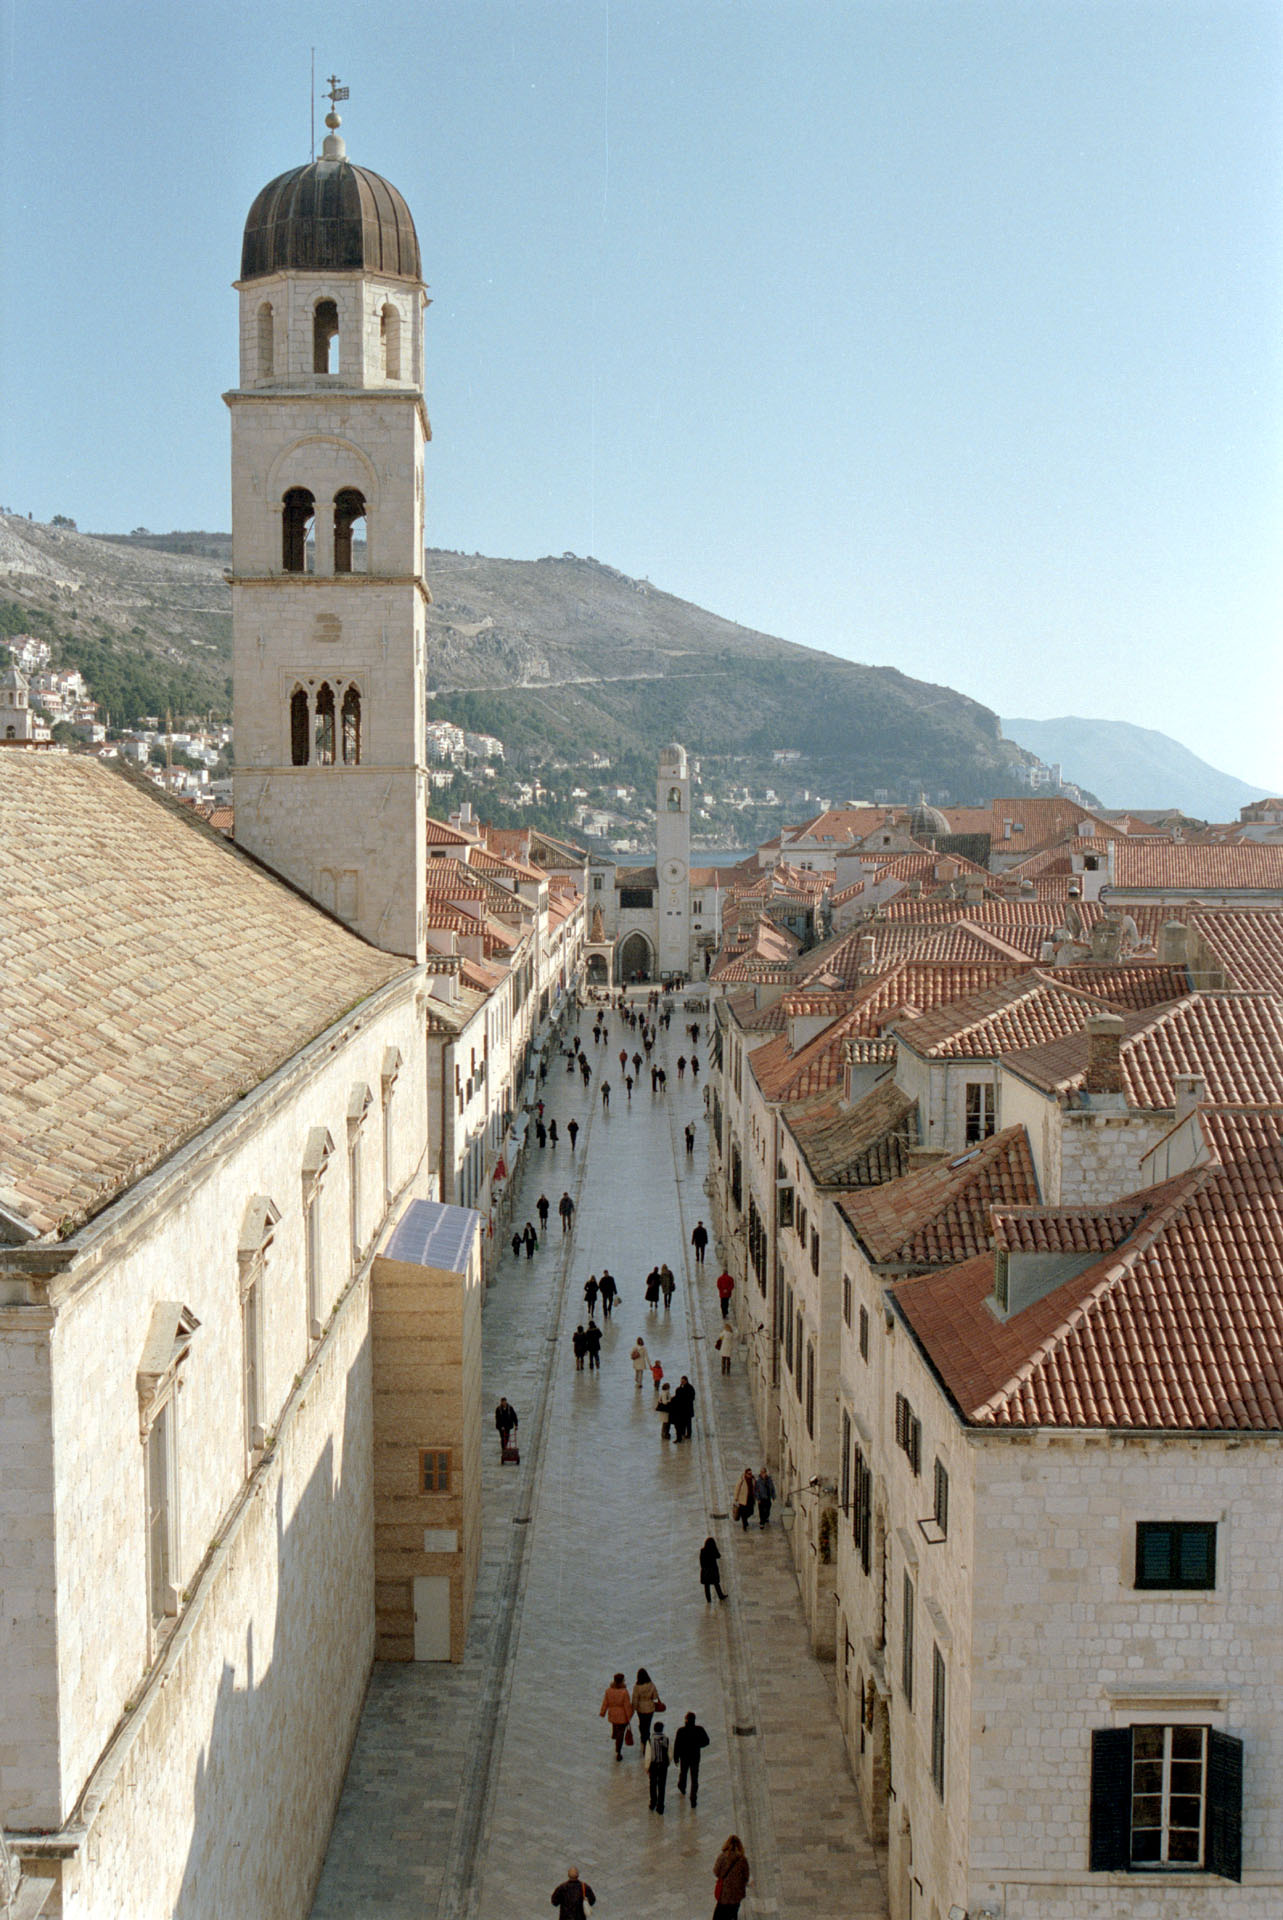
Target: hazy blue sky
(940, 333)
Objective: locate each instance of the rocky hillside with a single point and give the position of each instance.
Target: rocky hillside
(1130, 766)
(555, 656)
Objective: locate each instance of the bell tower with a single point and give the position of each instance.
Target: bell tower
(329, 599)
(672, 860)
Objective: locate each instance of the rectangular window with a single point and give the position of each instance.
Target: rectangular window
(810, 1389)
(862, 1501)
(434, 1470)
(908, 1433)
(846, 1461)
(846, 1299)
(1176, 1554)
(784, 1204)
(940, 1502)
(801, 1224)
(797, 1378)
(788, 1328)
(635, 898)
(815, 1251)
(312, 1262)
(980, 1111)
(354, 1195)
(937, 1720)
(864, 1333)
(1169, 1774)
(252, 1341)
(906, 1643)
(161, 1506)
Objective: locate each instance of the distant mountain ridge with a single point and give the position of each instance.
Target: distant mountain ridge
(1130, 766)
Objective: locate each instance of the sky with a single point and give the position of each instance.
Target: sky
(940, 334)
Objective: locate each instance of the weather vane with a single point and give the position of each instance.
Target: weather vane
(336, 92)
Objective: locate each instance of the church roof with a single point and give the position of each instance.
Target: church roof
(330, 216)
(150, 976)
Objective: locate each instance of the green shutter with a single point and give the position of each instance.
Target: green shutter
(1111, 1800)
(1224, 1805)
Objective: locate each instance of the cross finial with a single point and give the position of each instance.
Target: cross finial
(333, 148)
(336, 92)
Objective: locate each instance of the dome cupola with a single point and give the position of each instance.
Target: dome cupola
(330, 216)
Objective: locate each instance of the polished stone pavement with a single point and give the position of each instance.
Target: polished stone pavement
(472, 1787)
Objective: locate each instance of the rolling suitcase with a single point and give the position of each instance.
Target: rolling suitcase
(512, 1454)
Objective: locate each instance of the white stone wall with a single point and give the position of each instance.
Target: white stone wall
(1101, 1153)
(360, 299)
(175, 1238)
(29, 1795)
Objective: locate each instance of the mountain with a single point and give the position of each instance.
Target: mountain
(1130, 766)
(557, 657)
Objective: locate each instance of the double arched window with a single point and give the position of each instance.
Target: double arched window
(298, 531)
(325, 724)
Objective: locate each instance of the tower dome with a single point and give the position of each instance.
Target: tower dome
(925, 820)
(330, 216)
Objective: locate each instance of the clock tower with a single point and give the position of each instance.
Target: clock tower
(672, 861)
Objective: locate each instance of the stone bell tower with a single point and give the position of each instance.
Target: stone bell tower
(672, 860)
(329, 600)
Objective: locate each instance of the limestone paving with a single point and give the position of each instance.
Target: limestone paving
(472, 1788)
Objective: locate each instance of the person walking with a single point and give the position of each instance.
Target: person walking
(710, 1572)
(578, 1347)
(657, 1373)
(592, 1346)
(623, 1059)
(572, 1128)
(541, 1133)
(689, 1743)
(667, 1285)
(664, 1408)
(585, 1069)
(699, 1240)
(764, 1488)
(506, 1423)
(690, 1138)
(617, 1708)
(662, 1078)
(609, 1292)
(731, 1878)
(516, 1243)
(683, 1409)
(743, 1500)
(637, 1063)
(542, 1209)
(725, 1288)
(552, 1135)
(530, 1238)
(681, 1066)
(723, 1346)
(591, 1290)
(574, 1896)
(566, 1208)
(646, 1703)
(605, 1095)
(655, 1759)
(640, 1359)
(650, 1292)
(628, 1087)
(694, 1066)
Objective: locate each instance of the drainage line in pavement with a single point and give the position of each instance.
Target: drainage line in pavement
(748, 1771)
(461, 1877)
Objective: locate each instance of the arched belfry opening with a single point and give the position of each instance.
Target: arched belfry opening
(325, 337)
(351, 532)
(351, 719)
(390, 337)
(323, 730)
(300, 728)
(297, 531)
(266, 341)
(674, 799)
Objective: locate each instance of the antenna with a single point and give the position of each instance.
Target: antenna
(312, 101)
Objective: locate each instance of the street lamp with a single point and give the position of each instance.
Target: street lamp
(788, 1512)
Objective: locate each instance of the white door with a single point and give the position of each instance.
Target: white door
(432, 1618)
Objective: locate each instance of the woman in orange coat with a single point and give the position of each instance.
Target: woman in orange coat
(617, 1708)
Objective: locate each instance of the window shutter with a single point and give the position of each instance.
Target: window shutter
(1224, 1805)
(1111, 1799)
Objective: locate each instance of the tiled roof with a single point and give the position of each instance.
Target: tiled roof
(150, 974)
(1248, 944)
(1250, 865)
(859, 1145)
(1179, 1327)
(1232, 1133)
(1033, 1229)
(440, 835)
(939, 1214)
(1018, 1013)
(1232, 1041)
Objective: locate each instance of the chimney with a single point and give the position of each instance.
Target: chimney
(1104, 1068)
(1191, 1091)
(975, 888)
(1173, 947)
(864, 957)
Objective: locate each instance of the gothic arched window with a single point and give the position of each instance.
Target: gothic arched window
(296, 531)
(390, 335)
(325, 336)
(349, 515)
(266, 341)
(351, 716)
(298, 727)
(323, 732)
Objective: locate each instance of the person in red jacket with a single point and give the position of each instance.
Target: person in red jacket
(725, 1288)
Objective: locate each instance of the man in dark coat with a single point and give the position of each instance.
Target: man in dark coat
(573, 1897)
(683, 1409)
(688, 1745)
(505, 1420)
(608, 1290)
(699, 1240)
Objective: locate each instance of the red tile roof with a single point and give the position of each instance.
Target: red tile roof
(1202, 867)
(939, 1214)
(856, 1146)
(1178, 1327)
(1232, 1041)
(1248, 943)
(1019, 1013)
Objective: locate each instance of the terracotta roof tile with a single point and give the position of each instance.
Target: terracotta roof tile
(858, 1145)
(940, 1214)
(1249, 865)
(1232, 1041)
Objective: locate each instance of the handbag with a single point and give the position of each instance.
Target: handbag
(717, 1890)
(659, 1705)
(628, 1737)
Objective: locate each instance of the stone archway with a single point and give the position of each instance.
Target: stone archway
(636, 960)
(597, 973)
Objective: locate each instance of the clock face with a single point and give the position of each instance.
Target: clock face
(674, 872)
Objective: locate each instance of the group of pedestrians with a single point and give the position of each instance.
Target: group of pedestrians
(754, 1494)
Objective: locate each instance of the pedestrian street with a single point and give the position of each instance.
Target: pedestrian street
(473, 1787)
